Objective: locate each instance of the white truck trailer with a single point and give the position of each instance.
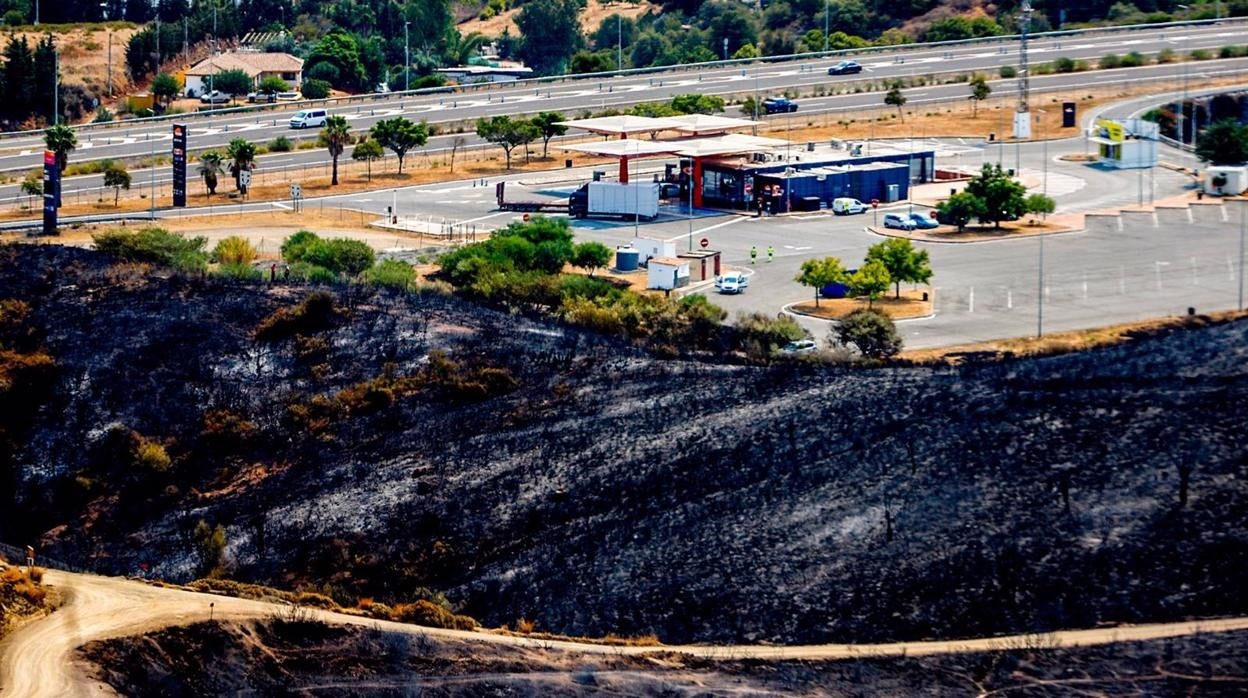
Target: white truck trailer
(613, 199)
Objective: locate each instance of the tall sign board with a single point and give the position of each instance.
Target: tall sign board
(179, 165)
(51, 191)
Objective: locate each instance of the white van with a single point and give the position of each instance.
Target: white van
(308, 118)
(846, 206)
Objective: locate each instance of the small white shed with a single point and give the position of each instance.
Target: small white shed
(651, 248)
(668, 273)
(1225, 180)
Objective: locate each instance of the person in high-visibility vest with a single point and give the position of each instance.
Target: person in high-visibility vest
(771, 253)
(754, 254)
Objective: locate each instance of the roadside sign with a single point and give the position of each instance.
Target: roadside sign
(51, 191)
(704, 242)
(296, 191)
(526, 218)
(875, 203)
(244, 178)
(179, 164)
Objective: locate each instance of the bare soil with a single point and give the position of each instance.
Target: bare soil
(591, 17)
(909, 305)
(276, 655)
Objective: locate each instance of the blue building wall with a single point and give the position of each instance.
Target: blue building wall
(730, 187)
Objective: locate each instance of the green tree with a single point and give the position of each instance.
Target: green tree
(547, 124)
(165, 87)
(895, 98)
(902, 260)
(367, 151)
(871, 280)
(242, 155)
(1039, 203)
(615, 28)
(507, 133)
(591, 62)
(32, 186)
(551, 33)
(870, 331)
(116, 176)
(210, 167)
(732, 26)
(340, 52)
(591, 256)
(272, 85)
(960, 208)
(60, 139)
(1224, 142)
(980, 89)
(746, 51)
(697, 104)
(1001, 195)
(400, 135)
(233, 82)
(314, 89)
(818, 273)
(336, 135)
(461, 48)
(234, 250)
(957, 28)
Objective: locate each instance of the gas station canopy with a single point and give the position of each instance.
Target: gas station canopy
(627, 148)
(623, 125)
(699, 124)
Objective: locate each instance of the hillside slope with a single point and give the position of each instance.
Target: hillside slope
(536, 472)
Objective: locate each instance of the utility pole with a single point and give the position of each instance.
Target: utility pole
(1040, 292)
(825, 26)
(110, 63)
(1242, 210)
(1022, 121)
(36, 13)
(619, 41)
(56, 86)
(407, 61)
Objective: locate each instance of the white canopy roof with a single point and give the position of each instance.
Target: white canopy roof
(695, 124)
(729, 144)
(622, 125)
(626, 148)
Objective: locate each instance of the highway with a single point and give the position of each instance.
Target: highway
(87, 188)
(22, 152)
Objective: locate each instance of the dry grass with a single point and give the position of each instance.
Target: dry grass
(591, 17)
(1067, 342)
(910, 305)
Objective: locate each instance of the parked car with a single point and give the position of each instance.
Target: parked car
(923, 222)
(732, 282)
(801, 346)
(308, 118)
(215, 97)
(779, 105)
(269, 97)
(288, 96)
(898, 221)
(845, 68)
(844, 206)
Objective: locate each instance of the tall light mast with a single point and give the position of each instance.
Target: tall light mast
(1022, 117)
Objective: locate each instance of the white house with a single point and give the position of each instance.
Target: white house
(258, 66)
(667, 273)
(1126, 143)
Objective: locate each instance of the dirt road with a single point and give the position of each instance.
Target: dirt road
(37, 660)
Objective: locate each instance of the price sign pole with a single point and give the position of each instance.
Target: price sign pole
(51, 192)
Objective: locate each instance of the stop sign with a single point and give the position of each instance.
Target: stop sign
(875, 203)
(704, 242)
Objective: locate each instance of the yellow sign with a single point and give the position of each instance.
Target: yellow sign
(1111, 130)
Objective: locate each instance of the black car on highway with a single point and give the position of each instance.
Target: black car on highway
(845, 68)
(779, 105)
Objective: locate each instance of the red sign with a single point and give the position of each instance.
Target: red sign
(526, 218)
(49, 157)
(704, 242)
(875, 203)
(932, 213)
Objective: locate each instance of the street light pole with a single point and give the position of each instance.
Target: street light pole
(825, 26)
(1242, 210)
(619, 41)
(1040, 291)
(407, 60)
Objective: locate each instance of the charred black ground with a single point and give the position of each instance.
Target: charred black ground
(372, 443)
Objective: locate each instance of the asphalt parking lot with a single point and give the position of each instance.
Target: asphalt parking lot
(983, 290)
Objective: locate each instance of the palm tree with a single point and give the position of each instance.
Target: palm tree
(61, 140)
(462, 47)
(336, 136)
(210, 168)
(243, 157)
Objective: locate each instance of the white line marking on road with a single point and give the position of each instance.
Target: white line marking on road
(481, 218)
(1009, 300)
(735, 219)
(278, 204)
(971, 301)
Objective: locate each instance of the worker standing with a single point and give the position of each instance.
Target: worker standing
(754, 254)
(771, 253)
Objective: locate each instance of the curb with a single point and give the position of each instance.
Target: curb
(1028, 236)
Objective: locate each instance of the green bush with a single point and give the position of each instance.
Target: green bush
(1110, 60)
(1200, 54)
(281, 144)
(239, 272)
(1064, 65)
(315, 89)
(431, 615)
(392, 273)
(310, 273)
(1233, 52)
(1007, 71)
(1166, 55)
(339, 256)
(154, 246)
(1134, 59)
(761, 335)
(871, 332)
(152, 456)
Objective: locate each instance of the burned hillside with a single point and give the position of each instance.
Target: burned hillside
(373, 443)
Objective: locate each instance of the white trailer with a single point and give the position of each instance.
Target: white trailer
(635, 199)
